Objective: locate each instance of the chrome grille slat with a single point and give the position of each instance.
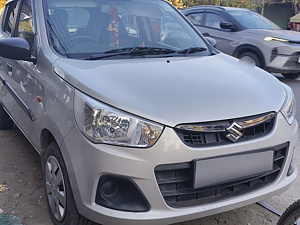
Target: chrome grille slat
(191, 136)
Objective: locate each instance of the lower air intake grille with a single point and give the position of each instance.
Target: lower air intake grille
(176, 183)
(292, 65)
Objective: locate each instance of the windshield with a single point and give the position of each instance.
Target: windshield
(252, 20)
(89, 28)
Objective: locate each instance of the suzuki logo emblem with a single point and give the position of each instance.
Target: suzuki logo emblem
(234, 132)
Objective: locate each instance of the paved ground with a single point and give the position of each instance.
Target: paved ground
(22, 191)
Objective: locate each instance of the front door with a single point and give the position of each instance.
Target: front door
(20, 83)
(224, 37)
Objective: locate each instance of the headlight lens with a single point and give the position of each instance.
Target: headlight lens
(101, 123)
(289, 107)
(275, 39)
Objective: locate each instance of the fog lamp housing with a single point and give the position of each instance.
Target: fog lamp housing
(120, 194)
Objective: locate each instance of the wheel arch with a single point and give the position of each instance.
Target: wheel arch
(46, 138)
(250, 48)
(49, 131)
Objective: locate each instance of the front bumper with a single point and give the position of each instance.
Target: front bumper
(87, 162)
(283, 58)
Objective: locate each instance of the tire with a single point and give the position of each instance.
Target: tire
(290, 215)
(251, 56)
(291, 75)
(6, 122)
(59, 195)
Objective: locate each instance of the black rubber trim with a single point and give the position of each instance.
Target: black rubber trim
(20, 102)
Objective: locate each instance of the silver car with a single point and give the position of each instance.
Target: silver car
(137, 118)
(244, 33)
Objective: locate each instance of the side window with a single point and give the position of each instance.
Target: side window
(10, 17)
(25, 25)
(214, 20)
(195, 18)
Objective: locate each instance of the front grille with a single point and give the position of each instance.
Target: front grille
(204, 139)
(175, 182)
(292, 65)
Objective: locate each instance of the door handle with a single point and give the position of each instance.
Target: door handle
(205, 34)
(9, 69)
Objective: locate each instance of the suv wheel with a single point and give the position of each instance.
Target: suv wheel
(5, 121)
(59, 194)
(291, 75)
(251, 56)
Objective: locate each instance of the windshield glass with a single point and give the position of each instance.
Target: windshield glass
(87, 28)
(252, 20)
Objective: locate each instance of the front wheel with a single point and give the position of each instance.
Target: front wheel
(290, 215)
(59, 194)
(291, 75)
(251, 57)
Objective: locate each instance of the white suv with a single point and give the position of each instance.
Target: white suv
(137, 118)
(244, 33)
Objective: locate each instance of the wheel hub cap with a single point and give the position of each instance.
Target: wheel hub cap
(55, 188)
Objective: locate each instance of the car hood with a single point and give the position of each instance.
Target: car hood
(177, 90)
(284, 34)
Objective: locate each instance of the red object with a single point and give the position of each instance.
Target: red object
(114, 25)
(113, 13)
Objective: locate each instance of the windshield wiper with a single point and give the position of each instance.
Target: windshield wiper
(192, 50)
(139, 51)
(146, 50)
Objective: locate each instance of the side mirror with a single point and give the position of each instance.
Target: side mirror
(227, 25)
(205, 34)
(16, 48)
(211, 41)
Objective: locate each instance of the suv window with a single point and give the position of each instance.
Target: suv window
(196, 18)
(213, 20)
(11, 14)
(252, 20)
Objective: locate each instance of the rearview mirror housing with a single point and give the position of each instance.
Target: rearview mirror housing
(16, 48)
(227, 25)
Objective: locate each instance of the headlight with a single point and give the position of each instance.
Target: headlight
(289, 107)
(275, 39)
(101, 123)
